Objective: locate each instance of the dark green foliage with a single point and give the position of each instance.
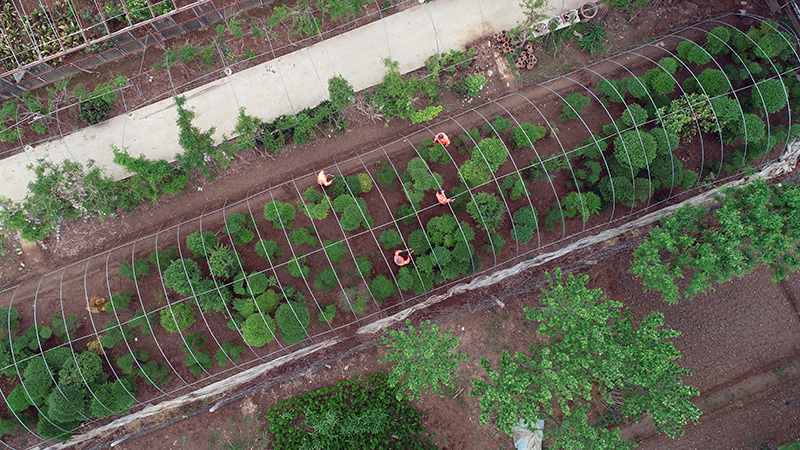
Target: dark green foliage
(391, 239)
(643, 188)
(363, 266)
(716, 40)
(162, 259)
(224, 262)
(500, 125)
(353, 414)
(663, 83)
(68, 404)
(751, 129)
(303, 236)
(9, 321)
(635, 149)
(515, 186)
(177, 317)
(8, 427)
(267, 302)
(181, 274)
(39, 377)
(619, 190)
(386, 176)
(196, 360)
(666, 171)
(46, 429)
(293, 320)
(354, 299)
(228, 350)
(85, 368)
(666, 141)
(201, 244)
(494, 243)
(394, 96)
(340, 92)
(18, 400)
(422, 180)
(280, 214)
(316, 204)
(213, 298)
(526, 134)
(636, 86)
(113, 398)
(688, 51)
(525, 224)
(241, 227)
(119, 302)
(199, 147)
(65, 331)
(634, 116)
(585, 204)
(354, 212)
(257, 283)
(770, 95)
(713, 82)
(614, 90)
(381, 288)
(135, 271)
(94, 110)
(128, 363)
(326, 280)
(573, 108)
(142, 320)
(592, 40)
(269, 250)
(335, 250)
(155, 373)
(487, 210)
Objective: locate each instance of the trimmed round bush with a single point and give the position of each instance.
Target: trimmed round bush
(180, 275)
(280, 214)
(365, 181)
(224, 262)
(666, 141)
(94, 110)
(635, 148)
(293, 320)
(487, 210)
(526, 134)
(258, 330)
(525, 224)
(391, 239)
(268, 249)
(177, 318)
(490, 151)
(634, 115)
(622, 190)
(202, 244)
(381, 288)
(474, 173)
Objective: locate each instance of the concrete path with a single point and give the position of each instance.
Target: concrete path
(283, 86)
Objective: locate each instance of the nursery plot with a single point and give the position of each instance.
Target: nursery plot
(298, 263)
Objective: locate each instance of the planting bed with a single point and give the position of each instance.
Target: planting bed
(535, 191)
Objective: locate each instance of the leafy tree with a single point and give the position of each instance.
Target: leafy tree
(592, 346)
(363, 266)
(487, 210)
(391, 239)
(115, 397)
(751, 226)
(635, 149)
(135, 271)
(616, 189)
(315, 204)
(326, 280)
(340, 92)
(9, 321)
(688, 51)
(18, 400)
(267, 302)
(422, 179)
(196, 360)
(181, 274)
(335, 250)
(268, 249)
(280, 214)
(525, 224)
(716, 41)
(713, 82)
(85, 368)
(475, 173)
(202, 244)
(573, 108)
(394, 96)
(381, 288)
(239, 225)
(68, 404)
(327, 314)
(614, 90)
(177, 317)
(634, 115)
(424, 357)
(228, 350)
(293, 321)
(224, 262)
(257, 283)
(354, 212)
(39, 378)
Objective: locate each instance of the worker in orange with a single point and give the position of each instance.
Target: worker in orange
(443, 200)
(403, 257)
(442, 139)
(324, 178)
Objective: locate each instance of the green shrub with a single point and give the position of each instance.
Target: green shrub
(9, 320)
(391, 239)
(586, 204)
(716, 40)
(229, 351)
(688, 51)
(643, 188)
(293, 321)
(666, 141)
(619, 190)
(327, 314)
(119, 302)
(354, 212)
(267, 302)
(335, 250)
(135, 271)
(363, 266)
(472, 85)
(634, 115)
(280, 214)
(515, 186)
(303, 236)
(315, 204)
(340, 92)
(201, 244)
(364, 181)
(155, 373)
(268, 250)
(258, 330)
(38, 377)
(326, 280)
(770, 94)
(634, 148)
(714, 82)
(491, 151)
(751, 129)
(297, 267)
(526, 134)
(239, 225)
(354, 300)
(421, 180)
(573, 108)
(112, 398)
(381, 288)
(614, 90)
(636, 86)
(386, 176)
(18, 400)
(487, 210)
(474, 173)
(181, 274)
(525, 224)
(126, 363)
(196, 360)
(667, 171)
(500, 125)
(257, 283)
(177, 317)
(94, 110)
(212, 298)
(224, 262)
(163, 258)
(68, 404)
